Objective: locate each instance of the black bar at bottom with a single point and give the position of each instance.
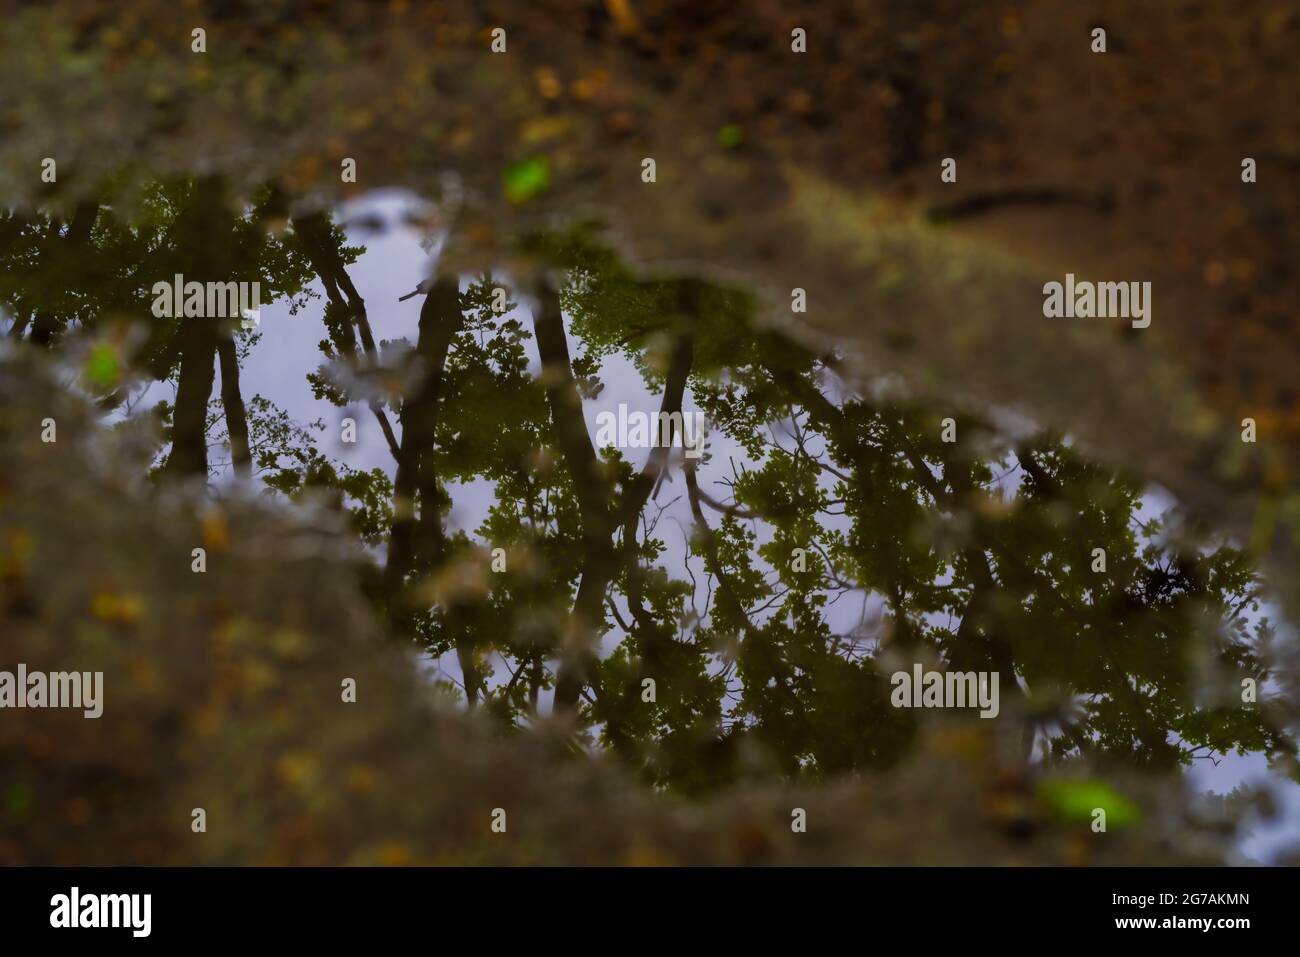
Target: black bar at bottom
(336, 906)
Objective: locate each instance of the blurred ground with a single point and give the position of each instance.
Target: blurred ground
(222, 691)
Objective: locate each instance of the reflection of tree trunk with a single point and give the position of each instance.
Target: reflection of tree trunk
(71, 251)
(11, 227)
(233, 403)
(83, 221)
(653, 639)
(600, 515)
(412, 538)
(189, 455)
(593, 492)
(418, 543)
(679, 368)
(43, 329)
(201, 231)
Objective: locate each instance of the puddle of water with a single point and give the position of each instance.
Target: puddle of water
(759, 603)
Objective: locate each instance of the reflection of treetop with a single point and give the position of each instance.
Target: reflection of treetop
(681, 610)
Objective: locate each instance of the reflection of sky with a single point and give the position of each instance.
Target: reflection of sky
(395, 261)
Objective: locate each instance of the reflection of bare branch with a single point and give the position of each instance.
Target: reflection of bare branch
(732, 510)
(618, 617)
(316, 242)
(636, 334)
(648, 525)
